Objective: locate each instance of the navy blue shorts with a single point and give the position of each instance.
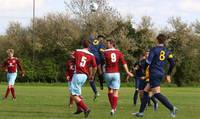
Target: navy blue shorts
(99, 60)
(137, 82)
(142, 84)
(155, 81)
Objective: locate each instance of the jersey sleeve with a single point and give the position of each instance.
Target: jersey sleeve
(122, 58)
(20, 65)
(150, 57)
(67, 69)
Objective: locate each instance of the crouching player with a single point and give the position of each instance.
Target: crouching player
(70, 68)
(10, 65)
(83, 61)
(156, 61)
(112, 76)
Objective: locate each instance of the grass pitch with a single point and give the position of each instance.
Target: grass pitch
(50, 102)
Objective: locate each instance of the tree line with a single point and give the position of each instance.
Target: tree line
(56, 34)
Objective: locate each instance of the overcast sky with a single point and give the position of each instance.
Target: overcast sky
(159, 10)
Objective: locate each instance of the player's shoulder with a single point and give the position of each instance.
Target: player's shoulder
(112, 50)
(84, 51)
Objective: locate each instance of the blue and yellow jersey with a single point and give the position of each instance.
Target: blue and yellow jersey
(95, 47)
(158, 57)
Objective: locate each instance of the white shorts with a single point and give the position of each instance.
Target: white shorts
(11, 77)
(112, 80)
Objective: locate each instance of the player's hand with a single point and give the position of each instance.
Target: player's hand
(23, 74)
(67, 78)
(130, 74)
(168, 79)
(143, 78)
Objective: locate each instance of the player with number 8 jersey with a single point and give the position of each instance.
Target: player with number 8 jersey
(112, 76)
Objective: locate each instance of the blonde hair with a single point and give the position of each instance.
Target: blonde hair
(10, 51)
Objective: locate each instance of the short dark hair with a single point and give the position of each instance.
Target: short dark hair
(85, 43)
(112, 41)
(161, 38)
(101, 36)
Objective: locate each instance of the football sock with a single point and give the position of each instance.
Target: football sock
(149, 101)
(13, 92)
(78, 107)
(164, 101)
(7, 92)
(93, 86)
(101, 80)
(145, 99)
(110, 97)
(82, 105)
(154, 100)
(135, 97)
(114, 102)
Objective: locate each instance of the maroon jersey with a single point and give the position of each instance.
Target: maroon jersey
(11, 65)
(84, 60)
(112, 58)
(70, 68)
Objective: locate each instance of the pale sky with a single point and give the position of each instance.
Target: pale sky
(159, 10)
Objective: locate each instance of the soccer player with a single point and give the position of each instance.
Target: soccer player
(70, 68)
(97, 47)
(112, 76)
(10, 65)
(144, 81)
(156, 61)
(83, 61)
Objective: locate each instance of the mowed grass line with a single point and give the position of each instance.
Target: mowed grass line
(50, 102)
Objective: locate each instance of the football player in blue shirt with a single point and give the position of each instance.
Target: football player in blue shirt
(97, 47)
(156, 61)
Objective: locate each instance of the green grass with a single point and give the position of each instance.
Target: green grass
(49, 102)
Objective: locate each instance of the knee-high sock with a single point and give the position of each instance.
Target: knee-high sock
(145, 99)
(82, 105)
(154, 99)
(13, 92)
(93, 86)
(110, 97)
(135, 97)
(7, 92)
(164, 101)
(101, 80)
(114, 102)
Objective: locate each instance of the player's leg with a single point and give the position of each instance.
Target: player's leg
(100, 76)
(164, 100)
(71, 100)
(144, 102)
(135, 96)
(115, 85)
(93, 86)
(108, 80)
(11, 80)
(12, 83)
(77, 82)
(153, 99)
(110, 96)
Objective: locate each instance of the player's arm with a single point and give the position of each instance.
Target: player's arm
(93, 69)
(170, 69)
(20, 67)
(125, 65)
(67, 72)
